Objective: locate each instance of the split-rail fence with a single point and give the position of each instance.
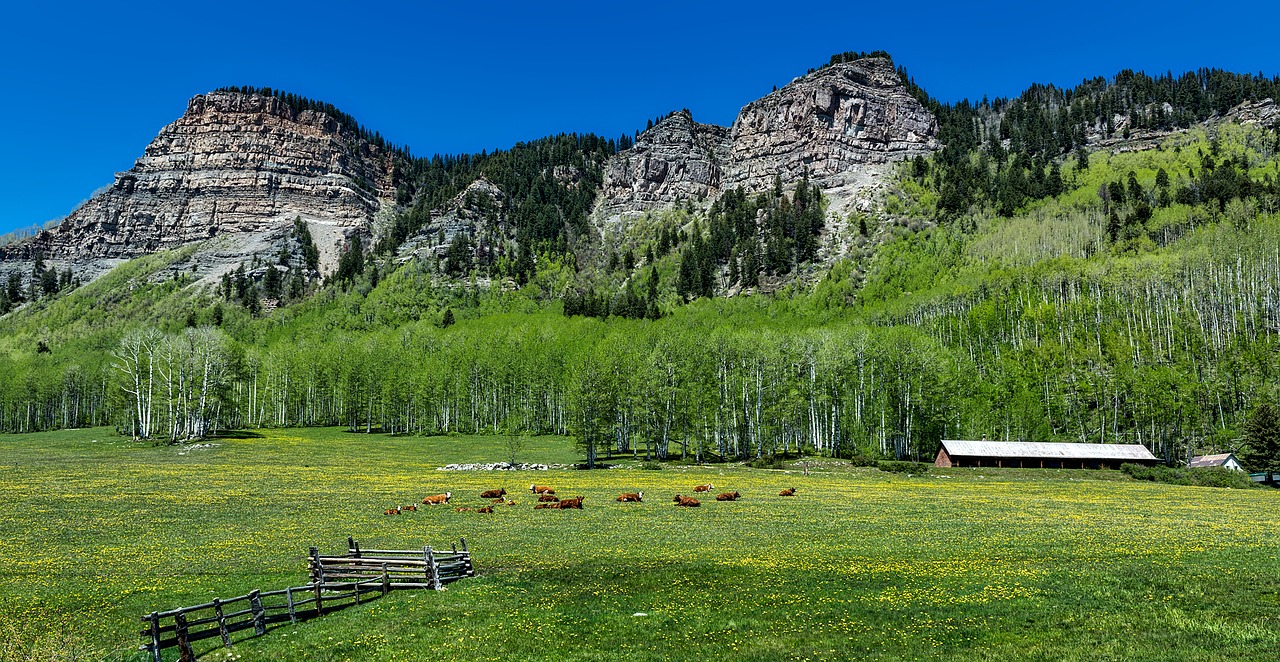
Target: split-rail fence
(336, 582)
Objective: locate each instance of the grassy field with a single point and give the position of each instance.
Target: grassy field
(971, 564)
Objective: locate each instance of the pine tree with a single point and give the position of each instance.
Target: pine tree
(1262, 433)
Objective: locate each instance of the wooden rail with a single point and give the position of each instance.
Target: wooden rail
(337, 582)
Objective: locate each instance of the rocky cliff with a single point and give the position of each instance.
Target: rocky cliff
(677, 159)
(233, 164)
(841, 125)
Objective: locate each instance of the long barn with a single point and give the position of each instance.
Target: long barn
(1023, 454)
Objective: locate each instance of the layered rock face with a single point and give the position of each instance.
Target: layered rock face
(233, 164)
(677, 159)
(841, 125)
(829, 124)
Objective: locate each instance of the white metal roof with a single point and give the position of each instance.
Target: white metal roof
(1047, 450)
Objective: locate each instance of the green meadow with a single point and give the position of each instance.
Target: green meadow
(955, 563)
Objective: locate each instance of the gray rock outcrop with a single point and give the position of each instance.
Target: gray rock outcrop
(234, 163)
(841, 126)
(678, 159)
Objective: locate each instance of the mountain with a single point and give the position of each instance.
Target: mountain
(840, 126)
(239, 167)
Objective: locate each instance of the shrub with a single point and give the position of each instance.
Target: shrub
(651, 465)
(1203, 477)
(771, 462)
(862, 461)
(895, 466)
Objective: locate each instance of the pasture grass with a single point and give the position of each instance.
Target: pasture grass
(956, 563)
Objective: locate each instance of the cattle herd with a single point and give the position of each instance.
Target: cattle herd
(547, 499)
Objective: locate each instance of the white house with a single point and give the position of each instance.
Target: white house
(1224, 460)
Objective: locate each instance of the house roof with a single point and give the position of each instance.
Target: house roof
(1210, 460)
(1047, 450)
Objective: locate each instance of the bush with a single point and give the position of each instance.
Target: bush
(651, 465)
(895, 466)
(1203, 477)
(772, 462)
(862, 461)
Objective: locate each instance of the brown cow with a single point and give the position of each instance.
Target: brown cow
(409, 507)
(547, 498)
(540, 506)
(704, 488)
(393, 511)
(575, 502)
(493, 494)
(509, 502)
(541, 489)
(687, 502)
(727, 496)
(499, 500)
(790, 491)
(632, 496)
(486, 509)
(462, 509)
(438, 499)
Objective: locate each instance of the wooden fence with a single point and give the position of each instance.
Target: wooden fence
(337, 582)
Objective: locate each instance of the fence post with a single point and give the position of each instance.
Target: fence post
(259, 614)
(288, 596)
(185, 654)
(316, 572)
(155, 636)
(222, 622)
(386, 581)
(319, 610)
(353, 547)
(433, 566)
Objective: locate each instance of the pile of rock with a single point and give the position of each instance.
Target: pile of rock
(497, 466)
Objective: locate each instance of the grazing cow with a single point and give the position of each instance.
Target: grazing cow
(393, 511)
(687, 502)
(790, 491)
(437, 499)
(486, 509)
(547, 498)
(409, 507)
(541, 489)
(575, 502)
(632, 496)
(540, 506)
(462, 509)
(493, 494)
(727, 496)
(704, 488)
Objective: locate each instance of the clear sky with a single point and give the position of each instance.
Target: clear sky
(88, 85)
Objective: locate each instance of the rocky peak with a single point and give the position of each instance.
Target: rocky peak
(841, 126)
(677, 159)
(835, 125)
(233, 164)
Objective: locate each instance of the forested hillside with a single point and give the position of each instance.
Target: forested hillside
(1027, 282)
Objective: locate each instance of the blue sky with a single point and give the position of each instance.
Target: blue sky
(87, 86)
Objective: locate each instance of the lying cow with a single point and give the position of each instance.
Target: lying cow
(541, 489)
(437, 499)
(790, 491)
(565, 504)
(728, 496)
(547, 498)
(411, 507)
(486, 509)
(631, 496)
(704, 488)
(393, 511)
(687, 502)
(493, 494)
(540, 506)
